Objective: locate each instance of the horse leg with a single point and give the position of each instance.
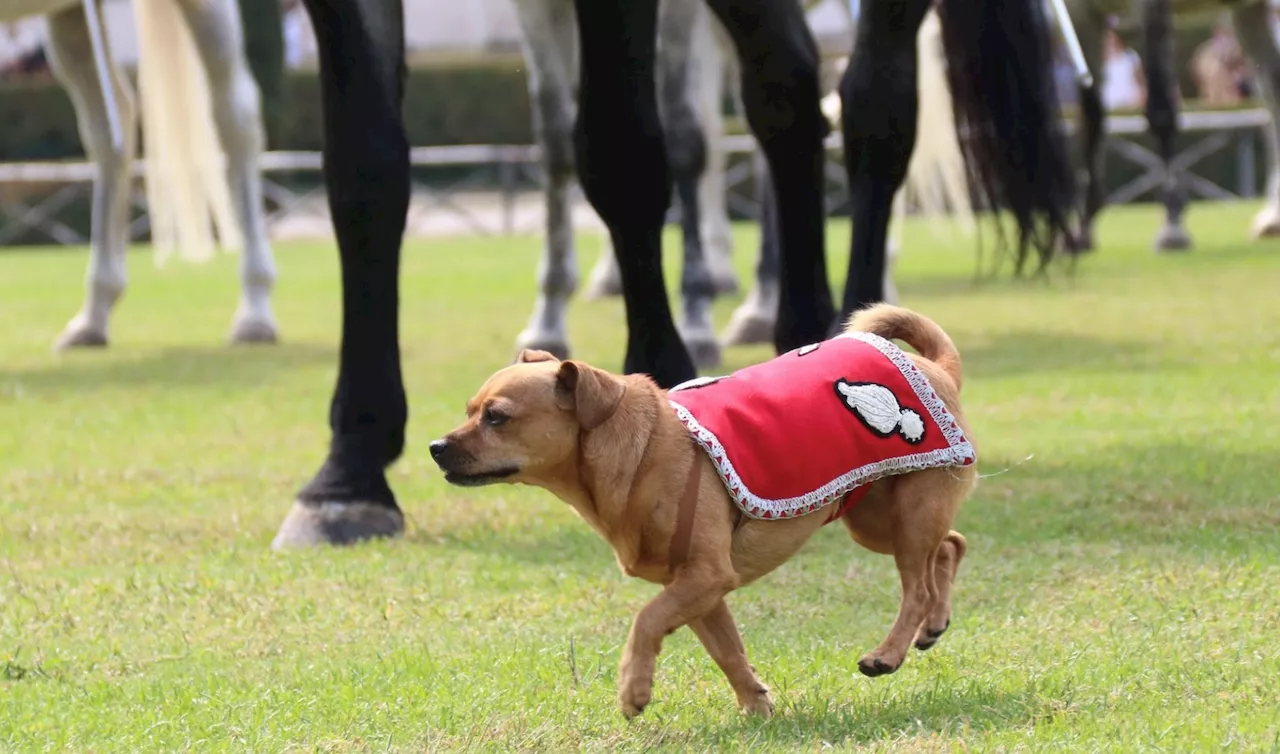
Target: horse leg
(706, 69)
(1093, 136)
(878, 104)
(547, 38)
(780, 93)
(707, 61)
(1255, 37)
(216, 29)
(71, 57)
(1162, 117)
(687, 159)
(366, 171)
(622, 164)
(756, 319)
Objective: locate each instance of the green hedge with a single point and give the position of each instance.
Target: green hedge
(480, 104)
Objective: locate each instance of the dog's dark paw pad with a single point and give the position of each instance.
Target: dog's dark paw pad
(875, 667)
(924, 645)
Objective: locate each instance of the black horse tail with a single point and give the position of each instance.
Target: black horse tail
(1000, 69)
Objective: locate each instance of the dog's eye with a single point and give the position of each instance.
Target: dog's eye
(494, 418)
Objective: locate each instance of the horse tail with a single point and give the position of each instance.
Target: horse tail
(1008, 115)
(188, 195)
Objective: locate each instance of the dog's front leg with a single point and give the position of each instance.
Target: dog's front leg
(691, 595)
(718, 633)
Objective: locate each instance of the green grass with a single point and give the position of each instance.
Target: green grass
(1119, 593)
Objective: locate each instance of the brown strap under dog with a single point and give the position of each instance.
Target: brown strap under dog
(679, 549)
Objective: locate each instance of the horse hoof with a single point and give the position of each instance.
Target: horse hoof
(605, 280)
(705, 352)
(80, 336)
(557, 347)
(314, 524)
(749, 329)
(1266, 225)
(1173, 238)
(249, 331)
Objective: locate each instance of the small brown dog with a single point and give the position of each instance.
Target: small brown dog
(852, 427)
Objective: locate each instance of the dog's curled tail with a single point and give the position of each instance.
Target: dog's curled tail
(918, 331)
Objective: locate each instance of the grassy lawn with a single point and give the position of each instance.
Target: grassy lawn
(1119, 593)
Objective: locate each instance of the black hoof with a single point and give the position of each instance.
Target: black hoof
(313, 524)
(874, 668)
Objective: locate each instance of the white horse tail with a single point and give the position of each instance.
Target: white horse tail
(937, 181)
(186, 180)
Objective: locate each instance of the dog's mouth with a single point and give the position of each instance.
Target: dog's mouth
(479, 479)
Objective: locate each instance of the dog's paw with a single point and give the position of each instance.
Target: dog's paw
(929, 636)
(633, 697)
(758, 703)
(632, 707)
(872, 666)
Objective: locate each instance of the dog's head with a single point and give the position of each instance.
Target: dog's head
(526, 420)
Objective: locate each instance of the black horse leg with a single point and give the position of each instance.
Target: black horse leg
(780, 94)
(1162, 116)
(1092, 135)
(879, 105)
(366, 170)
(1093, 123)
(622, 166)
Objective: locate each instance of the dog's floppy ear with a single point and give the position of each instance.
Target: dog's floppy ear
(593, 395)
(531, 355)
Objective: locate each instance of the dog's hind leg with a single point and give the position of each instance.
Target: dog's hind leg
(718, 633)
(910, 518)
(946, 564)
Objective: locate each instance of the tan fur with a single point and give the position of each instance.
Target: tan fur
(612, 448)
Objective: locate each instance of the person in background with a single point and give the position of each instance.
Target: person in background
(1124, 85)
(1220, 69)
(22, 49)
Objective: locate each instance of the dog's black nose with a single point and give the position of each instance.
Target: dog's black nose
(438, 449)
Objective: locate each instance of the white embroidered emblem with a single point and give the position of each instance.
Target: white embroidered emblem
(806, 350)
(878, 408)
(697, 382)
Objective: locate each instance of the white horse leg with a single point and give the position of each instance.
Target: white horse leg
(237, 111)
(1259, 45)
(71, 57)
(548, 38)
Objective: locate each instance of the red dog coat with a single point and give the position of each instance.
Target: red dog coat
(798, 432)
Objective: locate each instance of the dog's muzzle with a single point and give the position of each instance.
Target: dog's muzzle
(458, 465)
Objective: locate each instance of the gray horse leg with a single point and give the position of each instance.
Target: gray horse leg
(755, 320)
(686, 159)
(548, 37)
(71, 56)
(707, 61)
(237, 111)
(1162, 116)
(1260, 47)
